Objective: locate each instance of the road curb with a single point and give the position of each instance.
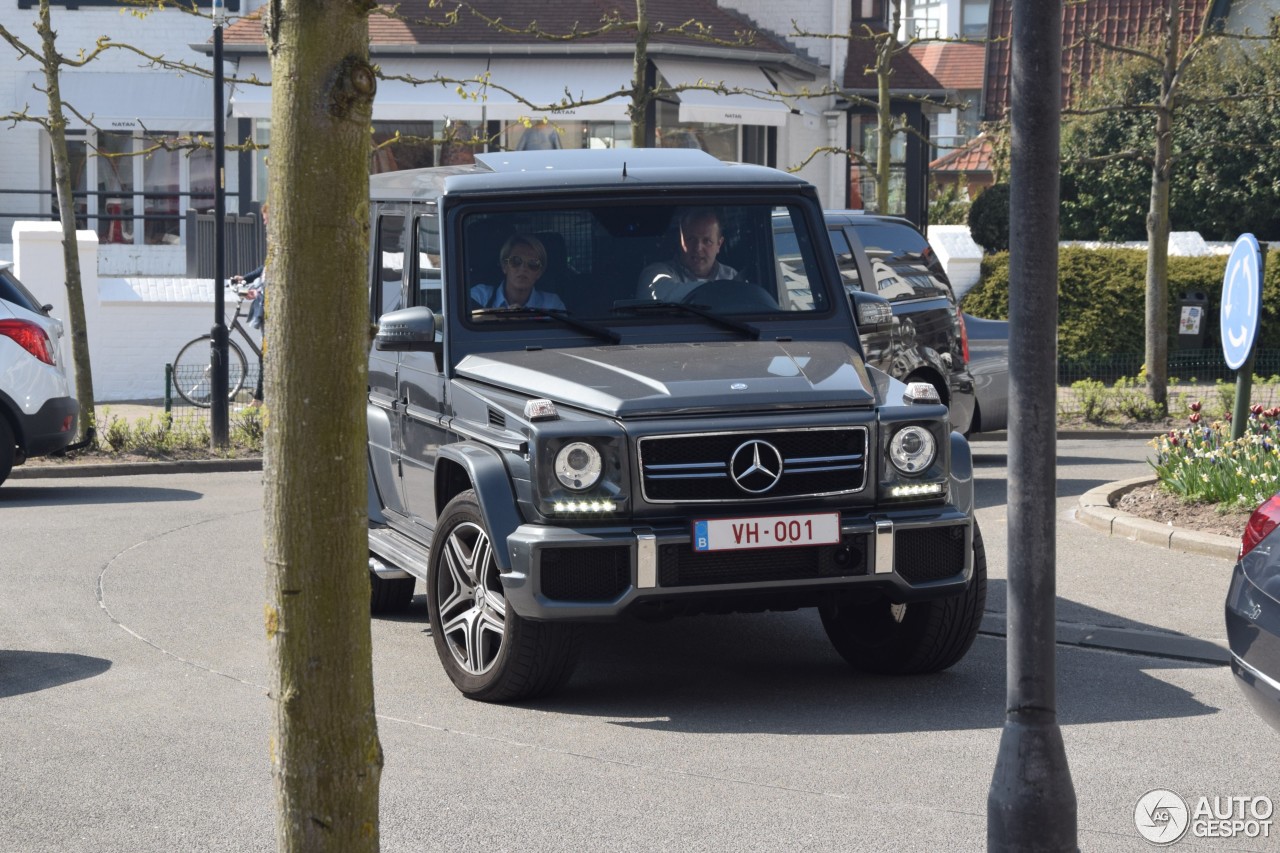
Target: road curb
(1097, 510)
(116, 469)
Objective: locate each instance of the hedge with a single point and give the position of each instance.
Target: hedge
(1102, 298)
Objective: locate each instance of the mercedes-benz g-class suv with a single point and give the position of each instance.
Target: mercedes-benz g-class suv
(615, 383)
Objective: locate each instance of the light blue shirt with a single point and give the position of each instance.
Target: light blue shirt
(495, 296)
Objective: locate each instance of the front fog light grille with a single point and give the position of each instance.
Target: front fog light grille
(585, 574)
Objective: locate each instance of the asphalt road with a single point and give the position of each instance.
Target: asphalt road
(134, 717)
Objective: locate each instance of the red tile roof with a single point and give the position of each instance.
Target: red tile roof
(955, 66)
(975, 156)
(907, 75)
(405, 24)
(1126, 22)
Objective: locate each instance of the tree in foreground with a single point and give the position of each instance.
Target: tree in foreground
(55, 124)
(325, 754)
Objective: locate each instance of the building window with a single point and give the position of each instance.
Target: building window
(132, 190)
(868, 11)
(402, 145)
(719, 140)
(862, 178)
(974, 15)
(922, 19)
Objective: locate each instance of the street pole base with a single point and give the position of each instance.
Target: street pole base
(1031, 806)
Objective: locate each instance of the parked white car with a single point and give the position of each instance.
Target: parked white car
(37, 409)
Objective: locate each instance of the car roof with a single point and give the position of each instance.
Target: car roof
(612, 169)
(861, 217)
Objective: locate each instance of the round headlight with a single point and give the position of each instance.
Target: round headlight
(912, 449)
(578, 465)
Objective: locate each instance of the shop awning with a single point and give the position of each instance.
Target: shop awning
(737, 107)
(128, 100)
(396, 100)
(544, 82)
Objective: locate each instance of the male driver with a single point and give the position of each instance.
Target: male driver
(700, 243)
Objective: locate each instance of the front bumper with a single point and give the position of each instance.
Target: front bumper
(600, 573)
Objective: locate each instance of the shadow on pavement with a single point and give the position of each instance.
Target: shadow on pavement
(49, 495)
(29, 672)
(777, 674)
(989, 493)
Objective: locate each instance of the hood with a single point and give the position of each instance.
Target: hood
(662, 379)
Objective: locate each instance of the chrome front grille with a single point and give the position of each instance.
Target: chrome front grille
(753, 466)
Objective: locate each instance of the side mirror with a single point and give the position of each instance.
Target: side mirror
(872, 312)
(408, 329)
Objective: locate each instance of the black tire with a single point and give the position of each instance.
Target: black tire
(488, 651)
(192, 375)
(923, 636)
(389, 595)
(8, 449)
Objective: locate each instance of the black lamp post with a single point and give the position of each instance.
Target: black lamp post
(218, 418)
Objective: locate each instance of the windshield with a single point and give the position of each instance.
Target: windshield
(616, 264)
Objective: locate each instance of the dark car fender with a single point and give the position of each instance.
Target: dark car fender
(961, 474)
(488, 476)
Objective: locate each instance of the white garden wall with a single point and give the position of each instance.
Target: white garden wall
(136, 325)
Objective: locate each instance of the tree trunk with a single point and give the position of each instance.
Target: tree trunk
(325, 755)
(1157, 302)
(640, 93)
(884, 122)
(57, 128)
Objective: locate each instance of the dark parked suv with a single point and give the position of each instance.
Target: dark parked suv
(568, 423)
(888, 256)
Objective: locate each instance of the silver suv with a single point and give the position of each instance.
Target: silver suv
(37, 409)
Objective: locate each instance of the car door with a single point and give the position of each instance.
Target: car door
(421, 381)
(386, 293)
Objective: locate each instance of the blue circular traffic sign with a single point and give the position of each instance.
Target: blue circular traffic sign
(1241, 301)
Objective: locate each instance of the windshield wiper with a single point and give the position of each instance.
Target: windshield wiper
(562, 317)
(648, 306)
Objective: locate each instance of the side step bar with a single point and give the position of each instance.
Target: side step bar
(392, 555)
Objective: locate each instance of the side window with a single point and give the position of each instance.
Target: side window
(846, 260)
(427, 262)
(794, 254)
(902, 261)
(388, 264)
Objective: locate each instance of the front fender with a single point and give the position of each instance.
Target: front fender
(488, 476)
(961, 474)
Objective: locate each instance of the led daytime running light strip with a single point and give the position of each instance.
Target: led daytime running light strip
(915, 490)
(584, 506)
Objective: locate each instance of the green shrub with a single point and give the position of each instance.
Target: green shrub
(1133, 401)
(1093, 399)
(1102, 299)
(989, 218)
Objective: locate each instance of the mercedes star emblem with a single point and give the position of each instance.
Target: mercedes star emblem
(756, 466)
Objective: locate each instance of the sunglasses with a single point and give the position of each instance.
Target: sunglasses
(516, 262)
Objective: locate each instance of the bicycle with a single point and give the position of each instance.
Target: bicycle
(192, 369)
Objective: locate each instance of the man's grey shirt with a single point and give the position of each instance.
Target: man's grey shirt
(669, 281)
